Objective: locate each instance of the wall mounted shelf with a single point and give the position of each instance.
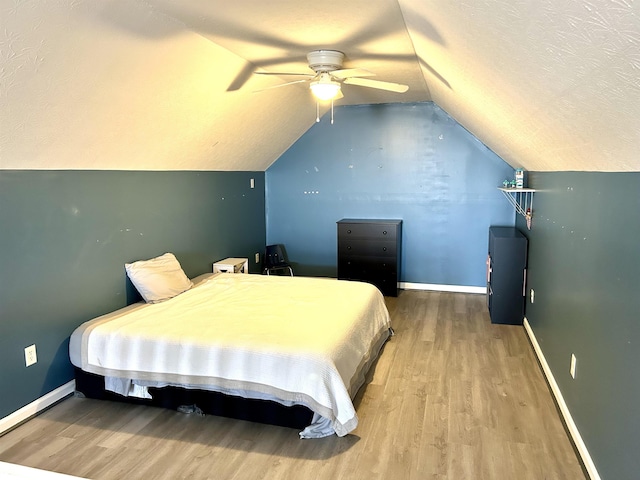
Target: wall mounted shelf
(522, 201)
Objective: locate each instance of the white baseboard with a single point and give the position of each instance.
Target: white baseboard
(442, 288)
(566, 414)
(36, 406)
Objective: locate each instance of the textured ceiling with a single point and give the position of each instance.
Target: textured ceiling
(548, 85)
(168, 84)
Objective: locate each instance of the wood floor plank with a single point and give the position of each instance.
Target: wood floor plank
(451, 397)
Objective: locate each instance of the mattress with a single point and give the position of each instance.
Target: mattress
(295, 340)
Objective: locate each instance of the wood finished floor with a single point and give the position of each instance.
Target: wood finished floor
(451, 397)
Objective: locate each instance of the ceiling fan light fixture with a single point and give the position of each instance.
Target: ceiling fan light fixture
(325, 88)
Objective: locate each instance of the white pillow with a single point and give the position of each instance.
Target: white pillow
(159, 278)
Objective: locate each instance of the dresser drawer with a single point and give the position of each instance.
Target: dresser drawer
(373, 247)
(358, 267)
(367, 230)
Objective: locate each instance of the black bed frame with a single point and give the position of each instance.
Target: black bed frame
(211, 403)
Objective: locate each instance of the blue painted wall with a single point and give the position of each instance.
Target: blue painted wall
(584, 264)
(412, 162)
(64, 240)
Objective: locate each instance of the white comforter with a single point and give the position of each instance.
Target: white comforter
(297, 340)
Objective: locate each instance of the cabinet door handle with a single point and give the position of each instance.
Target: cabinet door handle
(384, 232)
(348, 231)
(349, 247)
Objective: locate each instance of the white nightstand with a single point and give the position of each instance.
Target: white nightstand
(231, 265)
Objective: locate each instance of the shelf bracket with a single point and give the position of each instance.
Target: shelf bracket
(522, 200)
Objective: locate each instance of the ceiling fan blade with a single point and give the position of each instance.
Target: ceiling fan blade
(280, 85)
(285, 73)
(365, 82)
(352, 72)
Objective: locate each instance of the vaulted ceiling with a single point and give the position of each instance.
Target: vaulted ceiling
(169, 84)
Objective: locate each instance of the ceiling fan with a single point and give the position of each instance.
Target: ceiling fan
(329, 76)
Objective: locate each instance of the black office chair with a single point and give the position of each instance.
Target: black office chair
(275, 260)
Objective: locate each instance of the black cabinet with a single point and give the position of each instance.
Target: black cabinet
(506, 275)
(369, 251)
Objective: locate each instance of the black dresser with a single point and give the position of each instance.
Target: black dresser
(369, 250)
(506, 275)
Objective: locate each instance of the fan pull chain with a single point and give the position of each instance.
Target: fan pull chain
(318, 112)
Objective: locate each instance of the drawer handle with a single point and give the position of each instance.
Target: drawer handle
(348, 231)
(384, 232)
(384, 249)
(349, 247)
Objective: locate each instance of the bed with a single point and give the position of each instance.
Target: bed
(298, 342)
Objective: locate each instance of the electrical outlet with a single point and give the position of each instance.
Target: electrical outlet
(572, 368)
(257, 258)
(30, 356)
(533, 295)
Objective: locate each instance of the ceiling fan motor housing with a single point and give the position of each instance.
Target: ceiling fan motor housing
(325, 60)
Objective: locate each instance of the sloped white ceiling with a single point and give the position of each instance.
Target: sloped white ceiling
(548, 85)
(168, 84)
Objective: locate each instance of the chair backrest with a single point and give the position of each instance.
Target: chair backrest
(274, 255)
